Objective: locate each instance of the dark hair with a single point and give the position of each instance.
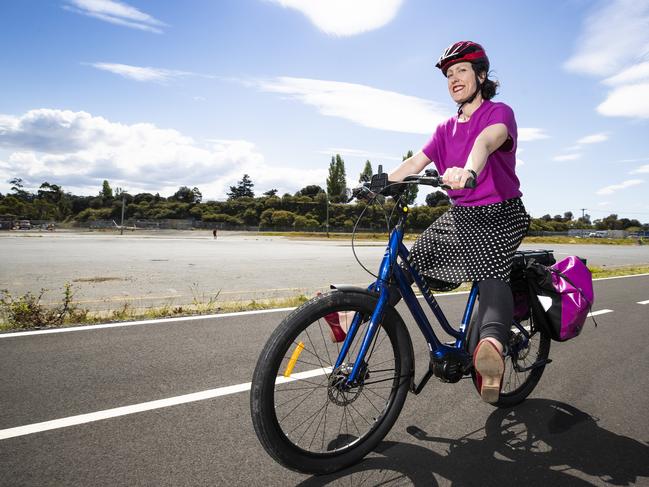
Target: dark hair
(488, 88)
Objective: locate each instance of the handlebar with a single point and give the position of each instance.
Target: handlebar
(380, 185)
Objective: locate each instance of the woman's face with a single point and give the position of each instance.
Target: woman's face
(461, 81)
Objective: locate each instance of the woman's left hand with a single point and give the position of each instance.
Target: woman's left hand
(456, 177)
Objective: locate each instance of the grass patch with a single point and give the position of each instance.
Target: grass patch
(28, 311)
(382, 236)
(561, 239)
(600, 272)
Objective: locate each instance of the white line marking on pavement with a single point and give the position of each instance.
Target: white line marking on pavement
(204, 317)
(644, 302)
(141, 322)
(165, 320)
(600, 312)
(619, 277)
(146, 406)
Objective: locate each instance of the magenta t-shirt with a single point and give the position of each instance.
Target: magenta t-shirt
(452, 142)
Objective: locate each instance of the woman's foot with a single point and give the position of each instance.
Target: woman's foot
(489, 367)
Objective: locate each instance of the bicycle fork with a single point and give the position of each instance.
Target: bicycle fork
(380, 286)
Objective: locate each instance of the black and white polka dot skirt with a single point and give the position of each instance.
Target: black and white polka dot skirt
(470, 243)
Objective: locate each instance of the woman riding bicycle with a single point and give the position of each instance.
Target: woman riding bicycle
(476, 238)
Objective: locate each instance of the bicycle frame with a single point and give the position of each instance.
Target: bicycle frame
(389, 267)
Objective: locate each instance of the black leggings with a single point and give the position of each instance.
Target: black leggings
(495, 313)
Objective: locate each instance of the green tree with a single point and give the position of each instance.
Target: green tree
(243, 188)
(106, 191)
(437, 198)
(410, 194)
(271, 192)
(337, 181)
(17, 185)
(186, 195)
(310, 191)
(366, 175)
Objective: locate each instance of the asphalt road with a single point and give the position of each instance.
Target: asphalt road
(155, 269)
(586, 423)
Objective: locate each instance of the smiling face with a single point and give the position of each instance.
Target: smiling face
(461, 81)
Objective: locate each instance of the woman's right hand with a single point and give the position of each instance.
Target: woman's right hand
(456, 177)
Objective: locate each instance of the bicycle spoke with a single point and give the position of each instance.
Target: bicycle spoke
(370, 401)
(317, 414)
(298, 405)
(324, 341)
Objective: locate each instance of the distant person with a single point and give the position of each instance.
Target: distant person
(476, 238)
(214, 233)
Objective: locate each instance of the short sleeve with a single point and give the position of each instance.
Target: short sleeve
(431, 149)
(501, 113)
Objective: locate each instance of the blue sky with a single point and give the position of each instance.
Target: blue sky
(152, 95)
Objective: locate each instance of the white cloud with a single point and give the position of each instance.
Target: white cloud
(634, 160)
(641, 170)
(78, 151)
(531, 133)
(116, 12)
(370, 107)
(142, 73)
(617, 187)
(567, 157)
(363, 154)
(635, 73)
(627, 101)
(364, 105)
(615, 43)
(593, 139)
(614, 36)
(345, 17)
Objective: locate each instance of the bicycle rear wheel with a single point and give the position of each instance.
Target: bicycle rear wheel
(303, 415)
(524, 363)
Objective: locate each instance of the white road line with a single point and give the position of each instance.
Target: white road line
(146, 406)
(619, 277)
(165, 320)
(600, 312)
(204, 317)
(163, 403)
(141, 322)
(644, 302)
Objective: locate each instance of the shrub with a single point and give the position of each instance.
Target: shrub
(302, 222)
(27, 311)
(281, 218)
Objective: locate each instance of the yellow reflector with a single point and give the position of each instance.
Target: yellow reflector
(293, 360)
(405, 209)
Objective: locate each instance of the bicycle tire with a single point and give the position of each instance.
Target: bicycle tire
(268, 393)
(515, 389)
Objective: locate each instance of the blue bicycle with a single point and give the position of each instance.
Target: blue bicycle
(333, 377)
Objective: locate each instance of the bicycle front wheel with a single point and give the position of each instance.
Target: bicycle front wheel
(304, 415)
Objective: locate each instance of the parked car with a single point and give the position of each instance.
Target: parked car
(23, 225)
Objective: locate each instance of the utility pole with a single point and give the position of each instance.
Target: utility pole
(327, 224)
(121, 230)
